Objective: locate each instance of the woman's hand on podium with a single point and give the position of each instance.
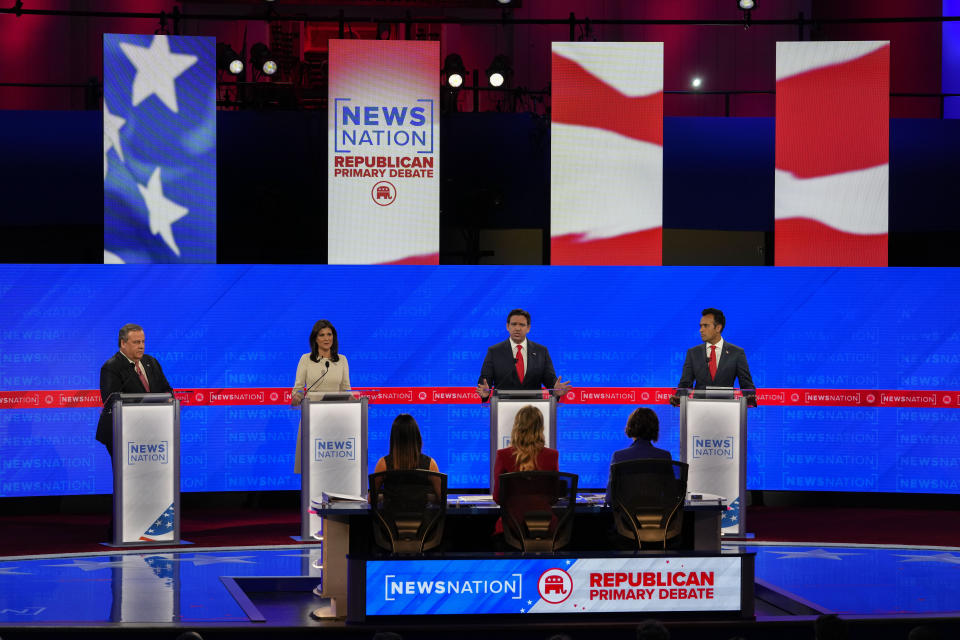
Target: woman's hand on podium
(296, 399)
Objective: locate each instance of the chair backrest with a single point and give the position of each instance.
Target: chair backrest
(647, 498)
(408, 509)
(537, 509)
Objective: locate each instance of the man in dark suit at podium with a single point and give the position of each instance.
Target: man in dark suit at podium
(130, 370)
(715, 363)
(517, 363)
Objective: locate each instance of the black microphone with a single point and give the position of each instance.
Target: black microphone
(322, 376)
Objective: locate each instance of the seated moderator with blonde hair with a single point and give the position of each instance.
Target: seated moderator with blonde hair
(406, 446)
(527, 450)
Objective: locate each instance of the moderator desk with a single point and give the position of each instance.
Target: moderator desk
(347, 529)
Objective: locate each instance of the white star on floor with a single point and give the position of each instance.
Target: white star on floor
(163, 212)
(88, 565)
(111, 135)
(946, 558)
(157, 70)
(820, 554)
(203, 560)
(9, 571)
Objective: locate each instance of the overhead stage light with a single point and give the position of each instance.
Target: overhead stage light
(696, 82)
(454, 70)
(499, 71)
(261, 58)
(228, 59)
(747, 5)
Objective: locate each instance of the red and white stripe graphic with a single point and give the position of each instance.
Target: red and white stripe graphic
(832, 153)
(606, 175)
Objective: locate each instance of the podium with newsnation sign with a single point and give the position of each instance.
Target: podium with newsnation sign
(713, 441)
(504, 406)
(333, 450)
(146, 469)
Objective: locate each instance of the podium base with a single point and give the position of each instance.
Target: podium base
(327, 608)
(145, 543)
(306, 539)
(733, 537)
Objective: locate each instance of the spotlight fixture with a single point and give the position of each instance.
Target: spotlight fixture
(499, 71)
(454, 70)
(228, 59)
(696, 82)
(747, 5)
(261, 58)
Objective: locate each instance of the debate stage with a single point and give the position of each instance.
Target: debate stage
(82, 589)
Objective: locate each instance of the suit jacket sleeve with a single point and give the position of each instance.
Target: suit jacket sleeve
(486, 369)
(743, 372)
(499, 466)
(549, 377)
(686, 375)
(613, 459)
(551, 460)
(158, 381)
(487, 373)
(300, 379)
(111, 380)
(345, 380)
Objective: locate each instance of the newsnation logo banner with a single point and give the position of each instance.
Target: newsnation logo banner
(553, 585)
(383, 153)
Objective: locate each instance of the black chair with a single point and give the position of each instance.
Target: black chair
(647, 498)
(536, 508)
(408, 509)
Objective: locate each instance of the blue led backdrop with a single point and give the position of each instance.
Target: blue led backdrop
(216, 326)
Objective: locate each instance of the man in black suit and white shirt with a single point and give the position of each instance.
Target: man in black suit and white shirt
(715, 363)
(130, 370)
(517, 363)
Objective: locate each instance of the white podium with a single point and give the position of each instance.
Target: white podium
(146, 469)
(504, 406)
(713, 441)
(333, 450)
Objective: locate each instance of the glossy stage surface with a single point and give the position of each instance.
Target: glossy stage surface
(186, 587)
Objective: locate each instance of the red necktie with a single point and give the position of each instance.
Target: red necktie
(713, 361)
(520, 362)
(143, 378)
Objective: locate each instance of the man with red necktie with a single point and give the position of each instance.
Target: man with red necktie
(518, 363)
(715, 363)
(130, 370)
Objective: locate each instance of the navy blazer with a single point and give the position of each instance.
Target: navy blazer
(500, 368)
(639, 450)
(117, 376)
(732, 366)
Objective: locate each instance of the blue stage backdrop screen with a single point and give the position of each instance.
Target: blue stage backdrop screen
(227, 326)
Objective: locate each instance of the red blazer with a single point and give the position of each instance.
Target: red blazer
(547, 460)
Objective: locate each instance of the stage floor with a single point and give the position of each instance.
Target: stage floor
(184, 587)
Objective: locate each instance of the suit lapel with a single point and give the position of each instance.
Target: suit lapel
(700, 362)
(533, 354)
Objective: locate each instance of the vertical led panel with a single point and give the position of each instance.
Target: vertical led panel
(950, 59)
(832, 153)
(159, 149)
(606, 170)
(383, 196)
